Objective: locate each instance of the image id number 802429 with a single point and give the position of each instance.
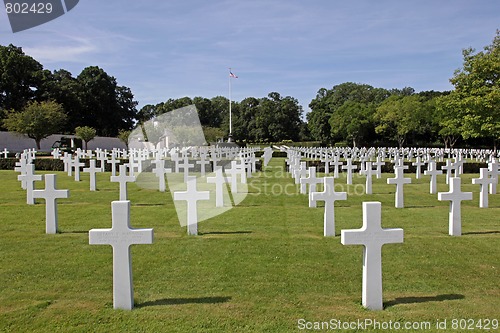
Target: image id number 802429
(28, 8)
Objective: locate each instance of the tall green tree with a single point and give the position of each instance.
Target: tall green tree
(20, 78)
(37, 120)
(85, 133)
(477, 92)
(327, 102)
(448, 119)
(63, 88)
(353, 121)
(105, 106)
(397, 117)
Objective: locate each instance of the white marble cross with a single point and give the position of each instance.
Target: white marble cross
(368, 173)
(56, 154)
(327, 159)
(160, 172)
(123, 179)
(399, 181)
(455, 196)
(493, 171)
(418, 164)
(378, 164)
(203, 163)
(66, 158)
(77, 165)
(233, 173)
(192, 196)
(185, 165)
(433, 172)
(350, 168)
(336, 163)
(310, 179)
(242, 168)
(29, 178)
(219, 180)
(483, 181)
(113, 161)
(21, 167)
(92, 170)
(459, 165)
(102, 156)
(50, 194)
(5, 153)
(449, 166)
(268, 155)
(214, 159)
(372, 236)
(121, 236)
(300, 172)
(329, 196)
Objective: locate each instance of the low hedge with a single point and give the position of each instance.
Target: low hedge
(49, 164)
(389, 167)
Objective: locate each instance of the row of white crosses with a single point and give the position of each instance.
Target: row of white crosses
(121, 236)
(371, 235)
(50, 194)
(487, 180)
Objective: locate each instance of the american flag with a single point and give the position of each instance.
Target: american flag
(232, 75)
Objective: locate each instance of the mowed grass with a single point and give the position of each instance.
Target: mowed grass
(260, 267)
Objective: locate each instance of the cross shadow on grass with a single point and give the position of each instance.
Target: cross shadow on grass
(187, 300)
(225, 232)
(481, 233)
(424, 299)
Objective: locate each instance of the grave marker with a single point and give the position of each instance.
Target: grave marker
(433, 172)
(455, 196)
(92, 170)
(192, 196)
(160, 172)
(29, 178)
(329, 196)
(493, 171)
(418, 164)
(483, 181)
(372, 237)
(50, 194)
(368, 173)
(121, 236)
(399, 181)
(77, 165)
(219, 180)
(350, 168)
(123, 179)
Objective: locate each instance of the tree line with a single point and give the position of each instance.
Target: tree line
(347, 114)
(359, 114)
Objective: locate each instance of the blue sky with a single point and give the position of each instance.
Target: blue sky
(170, 49)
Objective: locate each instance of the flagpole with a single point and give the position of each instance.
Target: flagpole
(230, 114)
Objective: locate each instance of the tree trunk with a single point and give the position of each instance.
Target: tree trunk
(453, 140)
(446, 139)
(38, 144)
(401, 141)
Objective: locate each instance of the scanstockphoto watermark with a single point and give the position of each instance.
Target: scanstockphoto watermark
(368, 324)
(27, 14)
(262, 187)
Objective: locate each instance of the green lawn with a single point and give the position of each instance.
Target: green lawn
(260, 267)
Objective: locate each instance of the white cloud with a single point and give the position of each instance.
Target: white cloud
(73, 49)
